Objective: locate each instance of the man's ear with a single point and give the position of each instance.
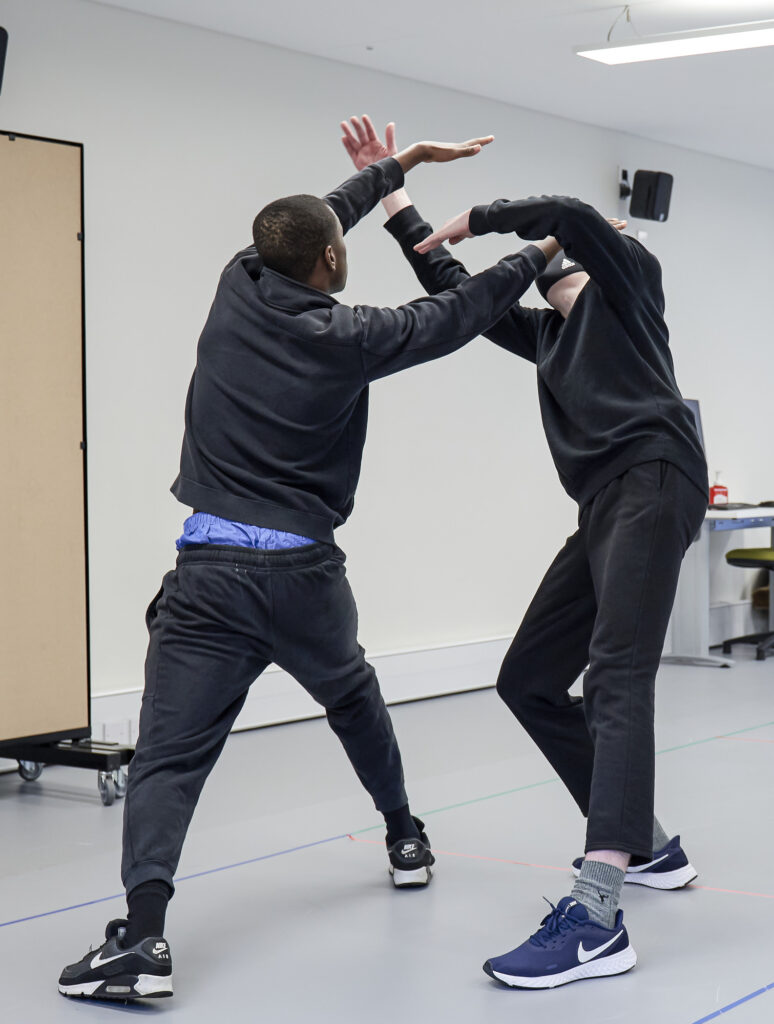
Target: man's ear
(330, 257)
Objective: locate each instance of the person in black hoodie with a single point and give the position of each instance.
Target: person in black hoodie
(275, 423)
(626, 449)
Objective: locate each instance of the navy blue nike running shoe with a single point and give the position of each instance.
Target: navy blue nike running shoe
(567, 947)
(669, 868)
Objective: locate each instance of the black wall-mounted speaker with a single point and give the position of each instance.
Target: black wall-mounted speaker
(3, 48)
(651, 192)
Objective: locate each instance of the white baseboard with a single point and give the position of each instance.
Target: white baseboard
(276, 697)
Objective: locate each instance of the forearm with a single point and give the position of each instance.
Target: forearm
(577, 227)
(436, 270)
(549, 247)
(396, 201)
(432, 327)
(359, 194)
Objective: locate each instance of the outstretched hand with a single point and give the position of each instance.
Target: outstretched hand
(443, 152)
(364, 146)
(453, 231)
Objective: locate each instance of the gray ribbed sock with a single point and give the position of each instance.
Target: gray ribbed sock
(660, 838)
(598, 888)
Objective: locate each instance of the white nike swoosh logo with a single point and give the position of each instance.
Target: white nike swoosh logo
(645, 867)
(584, 955)
(98, 961)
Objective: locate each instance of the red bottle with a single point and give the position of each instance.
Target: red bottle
(718, 492)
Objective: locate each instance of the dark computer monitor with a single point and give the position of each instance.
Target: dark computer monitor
(693, 405)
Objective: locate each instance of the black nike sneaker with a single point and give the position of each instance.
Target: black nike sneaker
(114, 972)
(411, 860)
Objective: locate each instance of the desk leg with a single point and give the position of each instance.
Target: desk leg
(690, 617)
(771, 591)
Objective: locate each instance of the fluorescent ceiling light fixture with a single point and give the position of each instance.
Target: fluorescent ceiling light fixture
(683, 44)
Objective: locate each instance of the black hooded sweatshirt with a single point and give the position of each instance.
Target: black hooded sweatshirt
(275, 418)
(608, 395)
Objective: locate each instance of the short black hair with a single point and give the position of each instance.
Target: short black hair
(291, 233)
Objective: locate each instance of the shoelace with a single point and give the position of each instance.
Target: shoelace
(554, 924)
(120, 932)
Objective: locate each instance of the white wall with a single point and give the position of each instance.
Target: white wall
(187, 134)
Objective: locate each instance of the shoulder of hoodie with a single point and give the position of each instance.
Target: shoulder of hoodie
(647, 261)
(338, 311)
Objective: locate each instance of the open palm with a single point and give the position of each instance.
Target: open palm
(363, 144)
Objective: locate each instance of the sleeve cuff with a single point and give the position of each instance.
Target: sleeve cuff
(393, 172)
(477, 220)
(403, 221)
(536, 257)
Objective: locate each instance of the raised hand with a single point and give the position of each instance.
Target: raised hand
(364, 145)
(619, 225)
(453, 231)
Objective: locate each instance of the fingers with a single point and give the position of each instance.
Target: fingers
(389, 138)
(350, 146)
(348, 134)
(431, 242)
(483, 141)
(441, 152)
(369, 128)
(359, 130)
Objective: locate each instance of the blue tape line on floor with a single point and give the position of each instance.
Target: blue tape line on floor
(185, 878)
(732, 1006)
(331, 839)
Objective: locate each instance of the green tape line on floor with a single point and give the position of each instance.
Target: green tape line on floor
(545, 782)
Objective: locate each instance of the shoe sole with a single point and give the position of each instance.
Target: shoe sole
(676, 879)
(143, 986)
(413, 879)
(619, 963)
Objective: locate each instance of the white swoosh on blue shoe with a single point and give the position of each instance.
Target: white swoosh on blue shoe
(646, 867)
(584, 955)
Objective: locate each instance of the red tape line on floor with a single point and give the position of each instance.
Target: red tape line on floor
(552, 867)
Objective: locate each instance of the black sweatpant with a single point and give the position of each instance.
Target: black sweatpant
(605, 602)
(222, 615)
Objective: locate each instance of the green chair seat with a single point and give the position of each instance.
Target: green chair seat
(752, 558)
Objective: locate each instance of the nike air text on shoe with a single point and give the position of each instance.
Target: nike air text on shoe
(411, 860)
(567, 947)
(115, 972)
(669, 868)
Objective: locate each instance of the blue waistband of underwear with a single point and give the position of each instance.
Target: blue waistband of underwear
(202, 528)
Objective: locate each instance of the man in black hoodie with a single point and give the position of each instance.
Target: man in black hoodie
(275, 424)
(626, 449)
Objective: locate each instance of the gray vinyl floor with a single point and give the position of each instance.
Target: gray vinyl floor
(285, 912)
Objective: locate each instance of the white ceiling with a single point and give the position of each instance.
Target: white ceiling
(522, 52)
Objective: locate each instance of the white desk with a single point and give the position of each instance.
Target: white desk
(690, 616)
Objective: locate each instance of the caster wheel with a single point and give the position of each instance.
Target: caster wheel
(30, 770)
(106, 787)
(120, 778)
